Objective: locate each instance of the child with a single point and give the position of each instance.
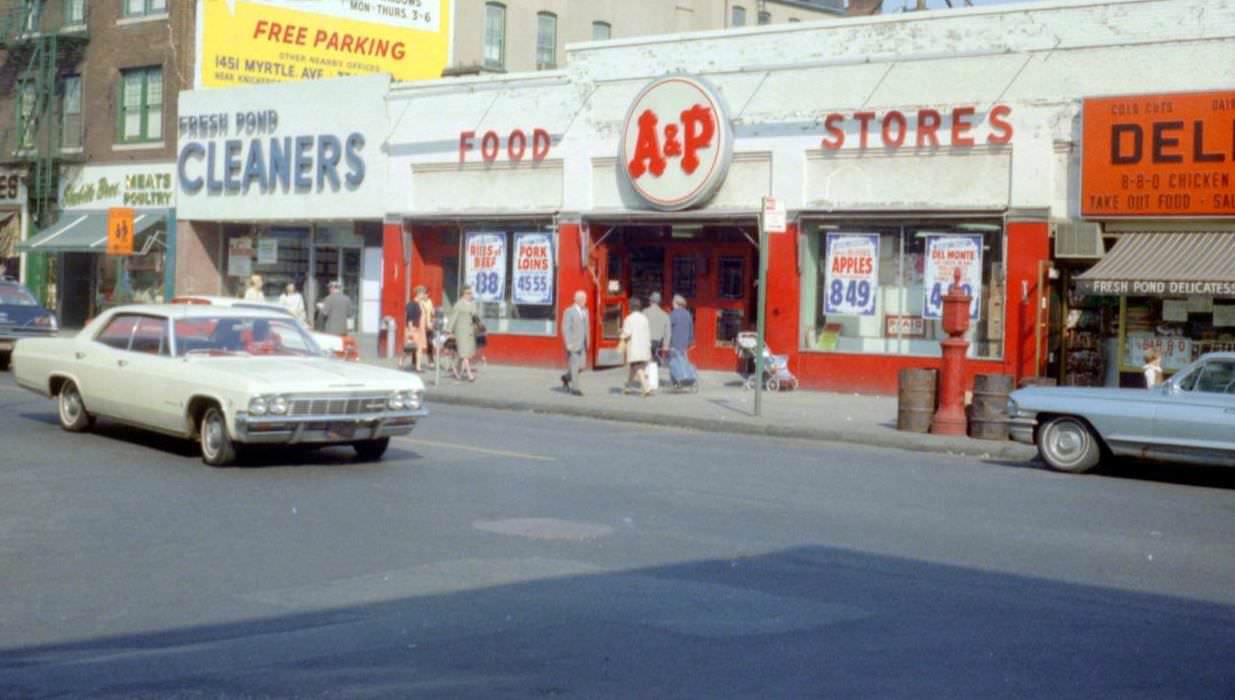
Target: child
(1152, 368)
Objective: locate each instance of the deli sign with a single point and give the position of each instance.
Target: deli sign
(676, 143)
(1159, 155)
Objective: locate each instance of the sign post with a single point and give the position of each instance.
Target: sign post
(771, 220)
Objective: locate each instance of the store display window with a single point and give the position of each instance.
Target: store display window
(877, 287)
(512, 270)
(1179, 329)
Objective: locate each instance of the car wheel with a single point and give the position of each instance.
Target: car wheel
(4, 361)
(371, 450)
(1069, 445)
(73, 415)
(218, 449)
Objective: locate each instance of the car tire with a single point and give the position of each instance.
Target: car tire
(4, 361)
(371, 450)
(73, 414)
(218, 448)
(1069, 445)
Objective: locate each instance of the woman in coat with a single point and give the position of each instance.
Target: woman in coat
(637, 334)
(462, 327)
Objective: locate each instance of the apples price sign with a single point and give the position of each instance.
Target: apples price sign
(532, 278)
(486, 265)
(945, 254)
(852, 275)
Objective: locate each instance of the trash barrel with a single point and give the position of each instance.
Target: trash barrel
(988, 414)
(915, 399)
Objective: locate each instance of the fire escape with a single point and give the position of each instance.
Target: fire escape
(31, 63)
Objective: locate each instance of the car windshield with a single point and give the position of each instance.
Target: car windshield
(12, 295)
(229, 335)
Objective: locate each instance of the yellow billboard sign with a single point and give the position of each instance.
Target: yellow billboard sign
(247, 42)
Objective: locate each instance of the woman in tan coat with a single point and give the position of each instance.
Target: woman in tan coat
(462, 327)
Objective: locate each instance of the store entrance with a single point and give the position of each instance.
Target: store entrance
(711, 267)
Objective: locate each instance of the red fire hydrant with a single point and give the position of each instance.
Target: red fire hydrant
(950, 418)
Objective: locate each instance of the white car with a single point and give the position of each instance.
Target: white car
(223, 376)
(342, 347)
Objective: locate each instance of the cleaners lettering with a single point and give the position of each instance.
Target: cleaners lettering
(300, 163)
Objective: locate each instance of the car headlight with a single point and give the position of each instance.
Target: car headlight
(277, 405)
(1012, 407)
(395, 402)
(412, 400)
(258, 406)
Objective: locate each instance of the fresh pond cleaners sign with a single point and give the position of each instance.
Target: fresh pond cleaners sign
(852, 275)
(486, 265)
(945, 254)
(676, 143)
(532, 281)
(1159, 155)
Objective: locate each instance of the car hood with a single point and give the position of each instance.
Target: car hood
(13, 315)
(1061, 395)
(299, 374)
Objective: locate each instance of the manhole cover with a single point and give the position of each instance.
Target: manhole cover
(544, 528)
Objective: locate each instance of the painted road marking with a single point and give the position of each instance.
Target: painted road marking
(481, 450)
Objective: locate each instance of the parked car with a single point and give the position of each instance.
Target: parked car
(226, 377)
(21, 316)
(343, 347)
(1190, 418)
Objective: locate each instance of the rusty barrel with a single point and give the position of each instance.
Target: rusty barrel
(988, 414)
(915, 406)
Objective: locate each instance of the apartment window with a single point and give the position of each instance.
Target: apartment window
(739, 16)
(26, 124)
(70, 133)
(765, 18)
(33, 15)
(74, 13)
(601, 31)
(546, 40)
(141, 105)
(495, 35)
(144, 8)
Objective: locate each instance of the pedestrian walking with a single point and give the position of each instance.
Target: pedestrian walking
(254, 291)
(291, 300)
(1152, 368)
(658, 323)
(462, 326)
(637, 336)
(416, 331)
(681, 326)
(335, 310)
(576, 336)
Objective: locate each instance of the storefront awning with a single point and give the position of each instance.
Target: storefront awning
(1165, 264)
(85, 231)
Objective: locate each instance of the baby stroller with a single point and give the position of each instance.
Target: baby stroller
(776, 374)
(682, 374)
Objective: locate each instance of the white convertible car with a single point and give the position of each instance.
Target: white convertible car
(223, 376)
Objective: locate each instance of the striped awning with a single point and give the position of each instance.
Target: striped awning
(85, 231)
(1165, 264)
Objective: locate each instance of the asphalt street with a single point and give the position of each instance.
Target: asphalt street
(518, 555)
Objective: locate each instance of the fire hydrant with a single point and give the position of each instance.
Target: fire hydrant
(950, 418)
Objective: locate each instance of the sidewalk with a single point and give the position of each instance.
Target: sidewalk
(722, 405)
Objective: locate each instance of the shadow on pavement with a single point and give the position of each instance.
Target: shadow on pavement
(814, 621)
(1160, 472)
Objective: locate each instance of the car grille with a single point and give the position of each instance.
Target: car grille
(337, 406)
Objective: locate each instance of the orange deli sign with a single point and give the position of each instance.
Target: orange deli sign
(1159, 155)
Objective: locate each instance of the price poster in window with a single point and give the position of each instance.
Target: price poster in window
(532, 278)
(944, 255)
(852, 275)
(486, 265)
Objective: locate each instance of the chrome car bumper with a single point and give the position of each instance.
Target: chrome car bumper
(344, 428)
(1022, 428)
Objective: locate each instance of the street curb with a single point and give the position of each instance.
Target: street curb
(913, 442)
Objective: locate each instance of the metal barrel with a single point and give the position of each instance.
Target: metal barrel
(915, 406)
(988, 414)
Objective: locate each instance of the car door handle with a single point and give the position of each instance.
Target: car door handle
(80, 355)
(122, 363)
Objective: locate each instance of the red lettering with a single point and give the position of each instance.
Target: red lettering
(516, 137)
(276, 30)
(647, 156)
(902, 127)
(260, 28)
(928, 127)
(540, 144)
(673, 147)
(465, 143)
(999, 122)
(699, 127)
(319, 37)
(961, 126)
(836, 135)
(489, 145)
(864, 121)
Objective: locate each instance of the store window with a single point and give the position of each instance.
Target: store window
(602, 31)
(546, 41)
(74, 13)
(495, 35)
(1179, 330)
(732, 278)
(71, 126)
(765, 17)
(34, 15)
(145, 8)
(877, 288)
(739, 16)
(141, 105)
(513, 272)
(685, 275)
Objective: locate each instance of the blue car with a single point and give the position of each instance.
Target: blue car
(21, 316)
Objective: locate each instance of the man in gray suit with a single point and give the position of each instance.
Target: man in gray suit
(335, 309)
(576, 336)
